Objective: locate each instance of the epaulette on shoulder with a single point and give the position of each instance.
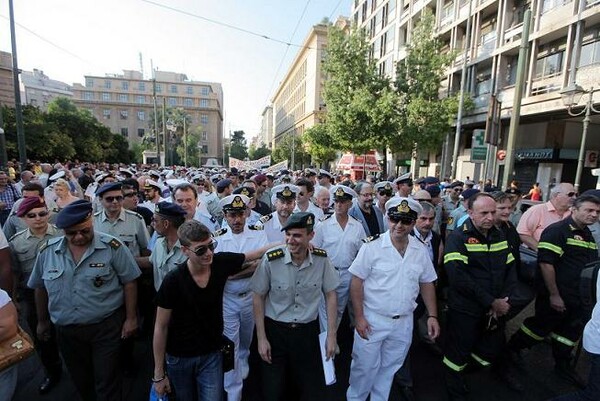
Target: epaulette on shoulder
(465, 228)
(266, 218)
(319, 252)
(114, 243)
(219, 232)
(46, 244)
(134, 213)
(275, 254)
(15, 235)
(371, 238)
(256, 227)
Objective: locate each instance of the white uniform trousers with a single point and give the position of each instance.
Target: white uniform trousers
(238, 324)
(343, 293)
(376, 360)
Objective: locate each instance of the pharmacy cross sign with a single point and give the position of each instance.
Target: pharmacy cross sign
(478, 146)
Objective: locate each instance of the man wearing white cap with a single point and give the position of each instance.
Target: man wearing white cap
(284, 199)
(388, 273)
(152, 193)
(383, 192)
(238, 318)
(341, 236)
(404, 185)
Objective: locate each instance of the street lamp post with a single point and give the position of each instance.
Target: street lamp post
(571, 96)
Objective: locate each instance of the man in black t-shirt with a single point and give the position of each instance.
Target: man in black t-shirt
(189, 317)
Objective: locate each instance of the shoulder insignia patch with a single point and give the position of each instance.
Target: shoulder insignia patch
(255, 227)
(465, 228)
(371, 238)
(450, 220)
(275, 254)
(266, 218)
(473, 240)
(213, 219)
(218, 233)
(114, 243)
(578, 237)
(319, 252)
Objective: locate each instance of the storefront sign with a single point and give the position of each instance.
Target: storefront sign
(535, 154)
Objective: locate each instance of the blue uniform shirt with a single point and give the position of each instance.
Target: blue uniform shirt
(89, 291)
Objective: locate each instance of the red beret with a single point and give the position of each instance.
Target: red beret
(28, 203)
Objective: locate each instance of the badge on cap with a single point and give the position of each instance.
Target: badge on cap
(286, 192)
(238, 203)
(387, 187)
(309, 220)
(244, 191)
(339, 192)
(403, 207)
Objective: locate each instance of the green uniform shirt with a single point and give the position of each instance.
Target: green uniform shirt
(25, 246)
(129, 228)
(164, 260)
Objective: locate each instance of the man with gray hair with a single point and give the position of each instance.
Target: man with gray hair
(538, 217)
(364, 211)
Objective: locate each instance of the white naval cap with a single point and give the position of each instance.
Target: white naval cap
(404, 179)
(383, 186)
(284, 191)
(342, 192)
(234, 202)
(399, 207)
(56, 176)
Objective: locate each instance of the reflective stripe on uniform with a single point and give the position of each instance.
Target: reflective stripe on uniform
(531, 334)
(495, 247)
(480, 360)
(499, 246)
(562, 340)
(510, 258)
(551, 247)
(453, 366)
(476, 247)
(455, 256)
(582, 244)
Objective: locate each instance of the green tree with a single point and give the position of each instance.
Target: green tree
(255, 153)
(118, 151)
(193, 151)
(425, 118)
(361, 105)
(320, 144)
(238, 148)
(290, 145)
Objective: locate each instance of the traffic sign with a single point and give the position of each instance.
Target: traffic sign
(478, 146)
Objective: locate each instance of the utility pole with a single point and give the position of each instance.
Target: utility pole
(185, 141)
(18, 109)
(461, 100)
(509, 161)
(164, 130)
(156, 134)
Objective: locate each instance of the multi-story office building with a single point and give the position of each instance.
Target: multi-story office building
(266, 127)
(298, 101)
(124, 103)
(39, 90)
(7, 87)
(548, 139)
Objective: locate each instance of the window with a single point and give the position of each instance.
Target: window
(204, 149)
(172, 101)
(141, 132)
(106, 114)
(158, 88)
(123, 97)
(124, 85)
(550, 5)
(511, 70)
(549, 66)
(204, 135)
(88, 95)
(173, 88)
(187, 102)
(142, 86)
(205, 91)
(203, 119)
(590, 54)
(106, 96)
(124, 114)
(203, 102)
(488, 31)
(125, 132)
(189, 90)
(107, 84)
(141, 99)
(141, 115)
(89, 82)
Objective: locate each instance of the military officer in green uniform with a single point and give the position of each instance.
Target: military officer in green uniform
(85, 284)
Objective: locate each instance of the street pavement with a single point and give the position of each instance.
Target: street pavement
(537, 375)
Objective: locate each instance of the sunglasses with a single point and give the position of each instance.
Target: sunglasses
(385, 193)
(72, 233)
(402, 220)
(111, 199)
(129, 195)
(571, 194)
(34, 215)
(458, 189)
(201, 250)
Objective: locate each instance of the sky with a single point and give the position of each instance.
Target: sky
(68, 39)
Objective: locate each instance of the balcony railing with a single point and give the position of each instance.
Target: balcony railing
(545, 85)
(514, 33)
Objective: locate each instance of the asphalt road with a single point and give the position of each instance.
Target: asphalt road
(538, 376)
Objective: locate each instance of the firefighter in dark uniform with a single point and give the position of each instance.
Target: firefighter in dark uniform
(481, 274)
(564, 249)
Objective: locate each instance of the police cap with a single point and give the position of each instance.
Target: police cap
(169, 210)
(74, 213)
(110, 186)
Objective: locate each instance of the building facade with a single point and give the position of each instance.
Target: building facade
(548, 139)
(124, 103)
(7, 87)
(37, 89)
(266, 127)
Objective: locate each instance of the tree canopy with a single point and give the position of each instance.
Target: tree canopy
(238, 149)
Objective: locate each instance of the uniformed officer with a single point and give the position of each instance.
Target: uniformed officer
(341, 236)
(85, 282)
(284, 199)
(387, 275)
(451, 200)
(404, 185)
(304, 203)
(481, 274)
(252, 216)
(564, 249)
(14, 223)
(25, 247)
(459, 215)
(238, 319)
(287, 287)
(126, 225)
(383, 192)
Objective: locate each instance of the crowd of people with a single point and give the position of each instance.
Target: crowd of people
(203, 261)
